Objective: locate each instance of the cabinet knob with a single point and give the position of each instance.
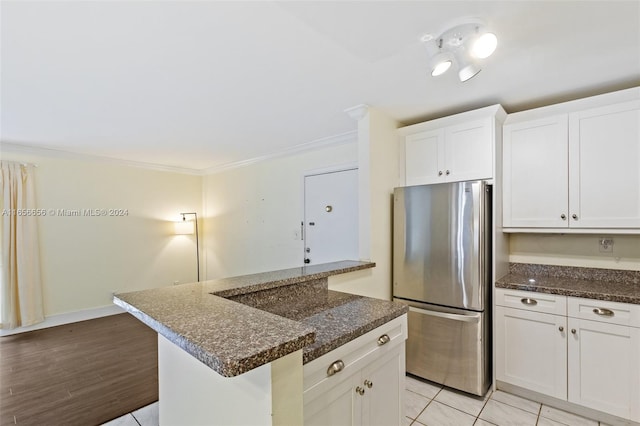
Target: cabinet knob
(447, 172)
(336, 367)
(574, 216)
(383, 340)
(573, 331)
(439, 172)
(563, 216)
(561, 328)
(360, 391)
(368, 383)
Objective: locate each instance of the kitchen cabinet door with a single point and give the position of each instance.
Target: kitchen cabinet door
(604, 367)
(531, 350)
(424, 153)
(469, 151)
(384, 382)
(604, 165)
(368, 388)
(340, 405)
(535, 174)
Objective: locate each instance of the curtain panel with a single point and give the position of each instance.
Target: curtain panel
(20, 280)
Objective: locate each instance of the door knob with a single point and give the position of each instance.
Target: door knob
(561, 328)
(307, 260)
(368, 383)
(563, 216)
(360, 391)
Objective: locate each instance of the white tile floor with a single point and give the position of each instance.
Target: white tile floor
(430, 404)
(145, 416)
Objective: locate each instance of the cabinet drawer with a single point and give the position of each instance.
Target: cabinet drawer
(532, 301)
(604, 311)
(354, 354)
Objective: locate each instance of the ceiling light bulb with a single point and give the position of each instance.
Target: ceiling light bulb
(484, 46)
(440, 68)
(440, 63)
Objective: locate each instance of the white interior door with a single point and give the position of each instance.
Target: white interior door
(331, 216)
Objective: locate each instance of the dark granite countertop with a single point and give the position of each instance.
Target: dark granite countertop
(593, 283)
(234, 325)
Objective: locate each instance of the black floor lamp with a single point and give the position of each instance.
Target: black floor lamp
(182, 229)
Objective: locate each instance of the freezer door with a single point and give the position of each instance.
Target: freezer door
(441, 244)
(450, 347)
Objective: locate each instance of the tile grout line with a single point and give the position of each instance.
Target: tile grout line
(135, 419)
(425, 407)
(483, 405)
(539, 414)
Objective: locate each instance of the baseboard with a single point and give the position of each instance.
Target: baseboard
(565, 405)
(67, 318)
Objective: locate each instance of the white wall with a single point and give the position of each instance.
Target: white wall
(85, 259)
(378, 153)
(575, 250)
(253, 213)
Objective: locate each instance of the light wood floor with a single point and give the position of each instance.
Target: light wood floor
(84, 373)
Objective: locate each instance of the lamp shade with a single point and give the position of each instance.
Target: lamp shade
(184, 227)
(467, 71)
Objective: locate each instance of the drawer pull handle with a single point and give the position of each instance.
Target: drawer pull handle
(368, 383)
(529, 301)
(384, 339)
(336, 367)
(360, 391)
(603, 312)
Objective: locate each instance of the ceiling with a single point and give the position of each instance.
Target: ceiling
(204, 84)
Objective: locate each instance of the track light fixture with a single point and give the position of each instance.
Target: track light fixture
(461, 45)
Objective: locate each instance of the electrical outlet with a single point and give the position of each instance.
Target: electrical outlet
(606, 245)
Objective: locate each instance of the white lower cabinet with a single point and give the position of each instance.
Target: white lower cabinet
(367, 389)
(589, 355)
(532, 350)
(604, 359)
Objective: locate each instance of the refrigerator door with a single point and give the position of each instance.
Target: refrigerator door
(441, 237)
(449, 346)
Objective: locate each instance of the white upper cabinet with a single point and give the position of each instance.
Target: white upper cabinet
(577, 171)
(451, 149)
(536, 177)
(604, 167)
(469, 149)
(424, 157)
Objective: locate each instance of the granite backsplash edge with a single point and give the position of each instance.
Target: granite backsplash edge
(576, 273)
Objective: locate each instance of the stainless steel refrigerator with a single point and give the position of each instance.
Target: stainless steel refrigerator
(442, 269)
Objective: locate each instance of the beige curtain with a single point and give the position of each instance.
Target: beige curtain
(20, 282)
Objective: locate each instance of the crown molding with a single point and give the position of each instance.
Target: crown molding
(57, 153)
(340, 139)
(357, 112)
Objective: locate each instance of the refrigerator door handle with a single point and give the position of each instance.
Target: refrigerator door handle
(475, 317)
